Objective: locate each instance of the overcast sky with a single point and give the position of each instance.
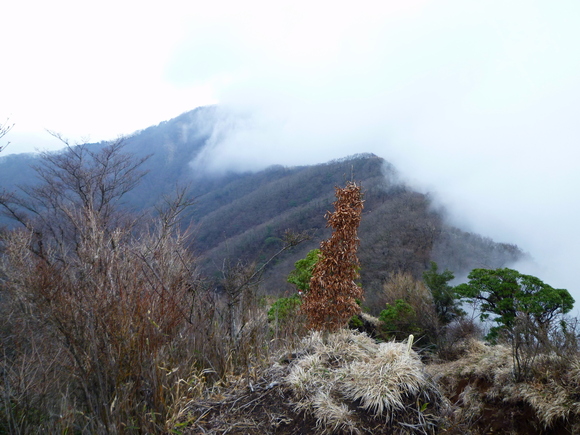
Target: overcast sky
(475, 101)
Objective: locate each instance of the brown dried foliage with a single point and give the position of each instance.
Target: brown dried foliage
(99, 309)
(118, 316)
(106, 325)
(331, 301)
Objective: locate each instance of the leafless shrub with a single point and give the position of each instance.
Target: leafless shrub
(115, 314)
(115, 297)
(532, 341)
(456, 337)
(242, 310)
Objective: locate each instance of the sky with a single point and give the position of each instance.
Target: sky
(474, 102)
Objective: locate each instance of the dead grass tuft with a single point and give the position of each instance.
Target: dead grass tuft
(483, 380)
(382, 381)
(335, 383)
(335, 376)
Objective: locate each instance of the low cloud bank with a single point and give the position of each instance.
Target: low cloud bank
(473, 104)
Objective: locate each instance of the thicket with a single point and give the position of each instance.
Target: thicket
(528, 314)
(409, 309)
(106, 325)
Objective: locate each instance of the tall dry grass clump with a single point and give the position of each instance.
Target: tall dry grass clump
(345, 378)
(420, 316)
(483, 382)
(402, 285)
(331, 299)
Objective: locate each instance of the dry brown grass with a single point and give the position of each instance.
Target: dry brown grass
(334, 383)
(337, 376)
(345, 382)
(484, 380)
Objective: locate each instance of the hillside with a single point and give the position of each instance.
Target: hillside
(400, 230)
(110, 322)
(244, 215)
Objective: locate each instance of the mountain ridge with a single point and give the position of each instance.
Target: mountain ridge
(243, 215)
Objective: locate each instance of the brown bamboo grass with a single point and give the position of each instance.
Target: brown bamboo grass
(331, 300)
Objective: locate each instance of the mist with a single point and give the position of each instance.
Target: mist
(473, 103)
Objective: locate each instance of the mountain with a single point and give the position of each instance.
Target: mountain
(243, 216)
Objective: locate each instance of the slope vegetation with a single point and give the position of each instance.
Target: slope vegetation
(243, 216)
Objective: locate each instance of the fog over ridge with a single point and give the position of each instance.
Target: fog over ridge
(484, 122)
(472, 101)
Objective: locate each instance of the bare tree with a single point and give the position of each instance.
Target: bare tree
(4, 129)
(114, 298)
(77, 199)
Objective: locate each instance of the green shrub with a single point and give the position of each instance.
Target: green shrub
(524, 309)
(399, 319)
(302, 272)
(356, 322)
(444, 296)
(284, 309)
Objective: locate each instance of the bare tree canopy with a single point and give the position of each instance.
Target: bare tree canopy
(4, 129)
(78, 194)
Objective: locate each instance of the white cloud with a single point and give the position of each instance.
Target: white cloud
(91, 70)
(472, 100)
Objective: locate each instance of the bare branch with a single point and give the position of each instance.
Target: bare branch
(78, 197)
(4, 129)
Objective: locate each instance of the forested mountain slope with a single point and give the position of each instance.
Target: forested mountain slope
(243, 216)
(400, 229)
